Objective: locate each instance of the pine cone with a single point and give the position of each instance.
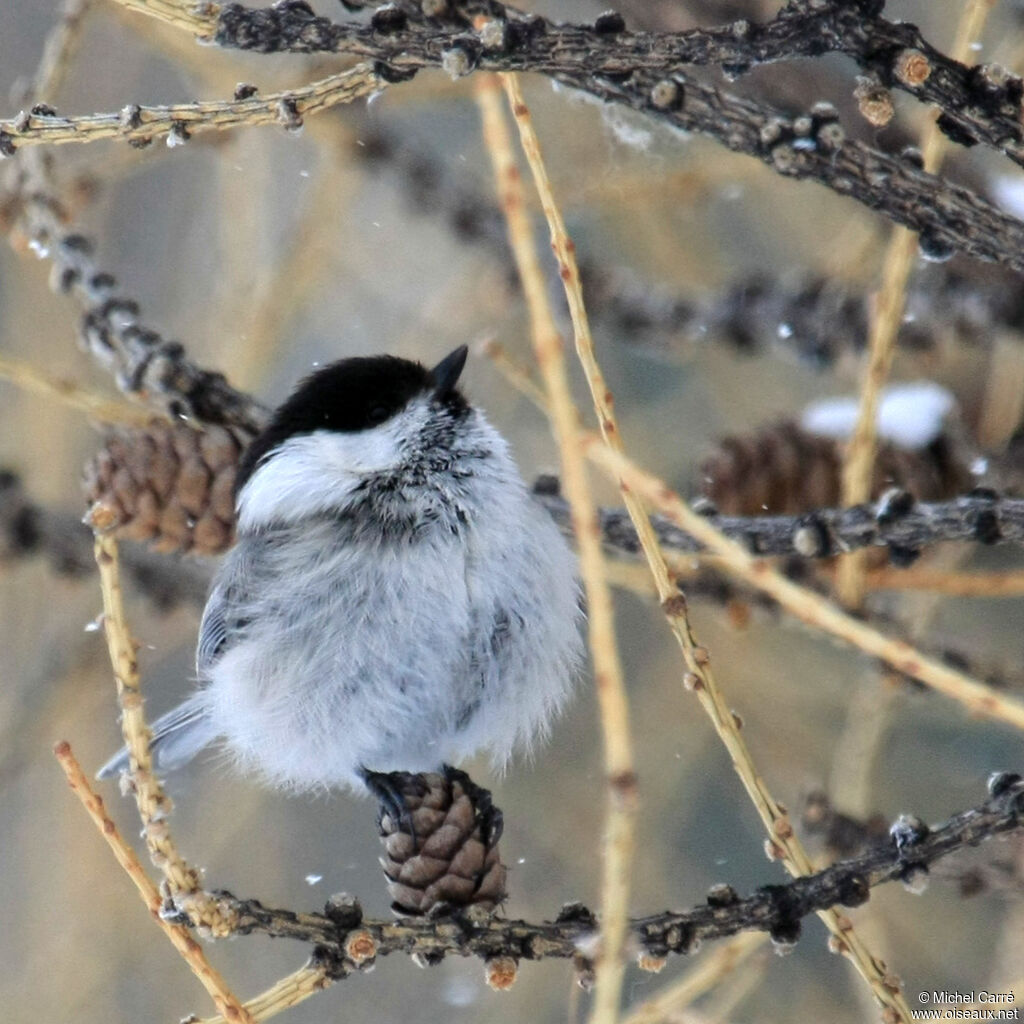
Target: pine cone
(168, 484)
(443, 848)
(784, 470)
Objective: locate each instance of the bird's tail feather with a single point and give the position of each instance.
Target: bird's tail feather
(177, 737)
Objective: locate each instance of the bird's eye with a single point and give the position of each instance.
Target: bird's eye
(378, 414)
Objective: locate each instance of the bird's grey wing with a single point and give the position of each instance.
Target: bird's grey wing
(177, 737)
(213, 632)
(225, 617)
(180, 734)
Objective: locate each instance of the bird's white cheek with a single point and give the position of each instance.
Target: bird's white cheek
(370, 451)
(315, 472)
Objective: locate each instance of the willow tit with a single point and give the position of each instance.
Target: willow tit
(396, 599)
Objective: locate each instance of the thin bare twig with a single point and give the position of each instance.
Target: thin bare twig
(58, 50)
(199, 18)
(104, 410)
(153, 804)
(291, 990)
(178, 122)
(858, 468)
(192, 953)
(699, 676)
(703, 578)
(949, 583)
(548, 348)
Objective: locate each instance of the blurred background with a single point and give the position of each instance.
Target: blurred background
(375, 230)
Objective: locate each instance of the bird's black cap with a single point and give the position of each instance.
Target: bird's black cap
(352, 395)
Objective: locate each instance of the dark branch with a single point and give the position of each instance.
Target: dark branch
(777, 909)
(143, 362)
(980, 104)
(844, 836)
(28, 529)
(817, 319)
(643, 71)
(896, 522)
(949, 218)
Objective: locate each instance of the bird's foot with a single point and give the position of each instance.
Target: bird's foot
(391, 790)
(489, 817)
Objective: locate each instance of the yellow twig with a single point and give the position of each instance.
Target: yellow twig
(58, 50)
(515, 372)
(153, 804)
(637, 578)
(952, 584)
(288, 992)
(631, 576)
(713, 967)
(700, 676)
(196, 16)
(192, 953)
(143, 123)
(106, 410)
(858, 468)
(548, 347)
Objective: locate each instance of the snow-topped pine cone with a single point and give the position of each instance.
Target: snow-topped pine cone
(168, 484)
(443, 847)
(785, 470)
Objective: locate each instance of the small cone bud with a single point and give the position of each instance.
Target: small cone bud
(653, 964)
(500, 973)
(443, 848)
(360, 947)
(167, 484)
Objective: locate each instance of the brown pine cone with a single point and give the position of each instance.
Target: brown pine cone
(784, 470)
(441, 847)
(168, 484)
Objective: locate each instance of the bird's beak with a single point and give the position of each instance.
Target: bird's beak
(446, 374)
